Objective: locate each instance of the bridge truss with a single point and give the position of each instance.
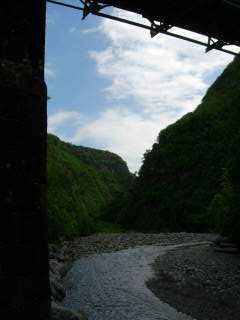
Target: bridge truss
(219, 20)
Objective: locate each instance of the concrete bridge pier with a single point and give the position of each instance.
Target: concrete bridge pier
(24, 283)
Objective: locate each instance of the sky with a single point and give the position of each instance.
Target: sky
(114, 88)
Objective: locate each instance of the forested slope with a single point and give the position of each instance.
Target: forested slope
(190, 179)
(81, 184)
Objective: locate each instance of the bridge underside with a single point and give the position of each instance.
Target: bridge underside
(218, 19)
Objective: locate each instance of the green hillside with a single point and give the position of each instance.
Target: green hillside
(190, 179)
(82, 182)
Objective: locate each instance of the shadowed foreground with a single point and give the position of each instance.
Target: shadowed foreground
(199, 281)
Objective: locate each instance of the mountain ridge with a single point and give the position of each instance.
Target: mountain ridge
(81, 183)
(186, 181)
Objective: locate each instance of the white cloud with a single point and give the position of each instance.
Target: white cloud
(88, 31)
(123, 132)
(157, 73)
(163, 77)
(61, 122)
(49, 72)
(61, 117)
(83, 32)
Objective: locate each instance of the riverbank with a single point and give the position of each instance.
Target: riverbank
(201, 282)
(112, 286)
(62, 257)
(106, 243)
(193, 280)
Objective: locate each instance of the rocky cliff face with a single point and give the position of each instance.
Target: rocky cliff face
(187, 179)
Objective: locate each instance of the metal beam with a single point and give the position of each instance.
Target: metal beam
(215, 44)
(143, 26)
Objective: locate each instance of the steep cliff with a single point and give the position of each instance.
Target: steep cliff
(189, 180)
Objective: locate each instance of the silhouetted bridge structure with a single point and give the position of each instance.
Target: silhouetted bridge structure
(24, 270)
(219, 20)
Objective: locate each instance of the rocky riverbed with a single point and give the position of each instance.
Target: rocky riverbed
(106, 243)
(95, 249)
(201, 281)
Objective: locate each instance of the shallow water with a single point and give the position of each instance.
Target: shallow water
(111, 286)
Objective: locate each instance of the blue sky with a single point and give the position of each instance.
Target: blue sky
(71, 76)
(113, 87)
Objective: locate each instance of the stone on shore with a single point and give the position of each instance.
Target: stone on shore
(57, 290)
(61, 313)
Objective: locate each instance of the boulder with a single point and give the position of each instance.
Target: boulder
(53, 251)
(55, 265)
(61, 313)
(57, 290)
(219, 239)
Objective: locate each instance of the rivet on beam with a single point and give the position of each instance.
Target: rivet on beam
(158, 28)
(91, 6)
(218, 44)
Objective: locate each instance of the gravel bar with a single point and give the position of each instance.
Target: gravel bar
(200, 282)
(106, 243)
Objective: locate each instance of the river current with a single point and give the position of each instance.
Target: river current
(111, 286)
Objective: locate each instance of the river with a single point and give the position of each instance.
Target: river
(111, 286)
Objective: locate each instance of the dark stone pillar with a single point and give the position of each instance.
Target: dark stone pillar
(24, 283)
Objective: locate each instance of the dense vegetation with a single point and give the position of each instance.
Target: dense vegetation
(82, 182)
(190, 180)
